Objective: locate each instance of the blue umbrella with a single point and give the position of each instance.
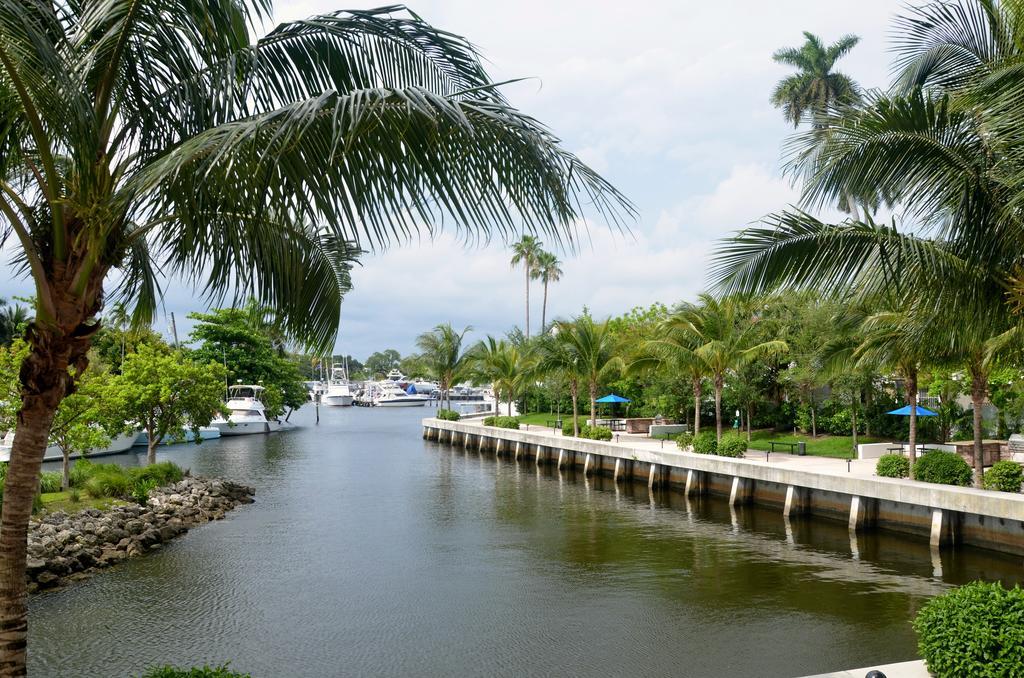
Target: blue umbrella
(920, 411)
(612, 398)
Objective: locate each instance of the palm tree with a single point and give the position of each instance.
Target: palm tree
(13, 320)
(557, 357)
(595, 357)
(525, 253)
(675, 350)
(548, 271)
(142, 138)
(815, 89)
(724, 337)
(503, 365)
(442, 356)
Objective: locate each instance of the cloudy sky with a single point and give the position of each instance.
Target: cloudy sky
(667, 99)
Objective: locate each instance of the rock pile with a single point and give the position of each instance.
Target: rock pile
(63, 547)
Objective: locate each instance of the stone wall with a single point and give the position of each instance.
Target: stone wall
(63, 547)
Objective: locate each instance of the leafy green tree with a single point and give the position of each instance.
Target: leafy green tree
(226, 336)
(593, 352)
(525, 253)
(166, 393)
(145, 138)
(442, 355)
(548, 271)
(113, 343)
(11, 358)
(382, 362)
(81, 423)
(503, 365)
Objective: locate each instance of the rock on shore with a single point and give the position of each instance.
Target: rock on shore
(63, 547)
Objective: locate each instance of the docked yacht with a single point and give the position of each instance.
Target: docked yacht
(338, 392)
(246, 413)
(388, 393)
(118, 444)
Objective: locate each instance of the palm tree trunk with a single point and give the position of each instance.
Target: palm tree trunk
(855, 398)
(574, 391)
(696, 406)
(814, 419)
(979, 388)
(867, 410)
(593, 403)
(65, 468)
(719, 383)
(527, 301)
(748, 421)
(911, 387)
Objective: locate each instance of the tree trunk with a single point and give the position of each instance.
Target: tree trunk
(979, 387)
(593, 404)
(697, 389)
(65, 469)
(912, 401)
(814, 419)
(719, 383)
(510, 405)
(867, 410)
(544, 309)
(574, 391)
(527, 301)
(749, 410)
(854, 399)
(151, 451)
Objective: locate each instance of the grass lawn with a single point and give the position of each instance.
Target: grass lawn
(822, 446)
(542, 418)
(61, 501)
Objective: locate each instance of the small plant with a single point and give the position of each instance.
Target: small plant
(140, 491)
(892, 466)
(203, 672)
(37, 503)
(974, 630)
(80, 472)
(705, 443)
(1004, 476)
(105, 483)
(50, 481)
(946, 468)
(162, 473)
(684, 441)
(596, 433)
(732, 445)
(502, 422)
(74, 495)
(448, 415)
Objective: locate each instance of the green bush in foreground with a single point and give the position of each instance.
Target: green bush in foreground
(946, 468)
(732, 445)
(111, 480)
(892, 466)
(448, 415)
(684, 441)
(502, 422)
(975, 630)
(1004, 476)
(596, 433)
(204, 672)
(705, 443)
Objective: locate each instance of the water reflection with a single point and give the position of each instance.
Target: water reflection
(372, 552)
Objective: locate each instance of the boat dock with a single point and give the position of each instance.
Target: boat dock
(945, 515)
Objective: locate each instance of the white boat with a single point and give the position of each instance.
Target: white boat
(338, 393)
(205, 433)
(120, 443)
(390, 394)
(246, 413)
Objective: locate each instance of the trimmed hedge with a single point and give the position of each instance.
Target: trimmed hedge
(596, 433)
(975, 630)
(705, 443)
(732, 445)
(892, 466)
(1004, 476)
(684, 441)
(448, 415)
(502, 422)
(945, 468)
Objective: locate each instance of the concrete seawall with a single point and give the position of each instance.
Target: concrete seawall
(944, 514)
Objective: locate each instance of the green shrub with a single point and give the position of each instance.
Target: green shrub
(946, 468)
(596, 433)
(1004, 476)
(732, 445)
(140, 491)
(204, 672)
(893, 466)
(160, 474)
(567, 427)
(107, 483)
(705, 443)
(50, 481)
(74, 495)
(975, 630)
(502, 422)
(80, 472)
(448, 415)
(684, 441)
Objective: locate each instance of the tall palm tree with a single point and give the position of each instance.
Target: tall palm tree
(146, 137)
(525, 253)
(442, 356)
(815, 89)
(595, 355)
(503, 365)
(674, 349)
(557, 357)
(724, 337)
(548, 271)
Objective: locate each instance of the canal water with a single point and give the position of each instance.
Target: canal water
(370, 552)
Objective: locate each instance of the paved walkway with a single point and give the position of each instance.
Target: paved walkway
(864, 468)
(914, 669)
